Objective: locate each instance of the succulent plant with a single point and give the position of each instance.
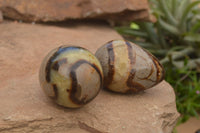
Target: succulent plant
(174, 36)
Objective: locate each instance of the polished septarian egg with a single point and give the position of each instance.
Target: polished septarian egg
(128, 68)
(71, 76)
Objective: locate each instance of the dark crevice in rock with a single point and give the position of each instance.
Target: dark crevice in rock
(10, 13)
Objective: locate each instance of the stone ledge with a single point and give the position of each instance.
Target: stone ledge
(54, 10)
(25, 108)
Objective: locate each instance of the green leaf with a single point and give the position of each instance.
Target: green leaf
(194, 112)
(168, 27)
(176, 55)
(192, 37)
(158, 12)
(181, 7)
(145, 44)
(167, 12)
(128, 31)
(161, 37)
(187, 11)
(148, 27)
(158, 52)
(196, 105)
(185, 118)
(195, 27)
(174, 6)
(134, 26)
(154, 2)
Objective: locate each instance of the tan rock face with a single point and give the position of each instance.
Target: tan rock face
(1, 17)
(191, 126)
(25, 107)
(53, 10)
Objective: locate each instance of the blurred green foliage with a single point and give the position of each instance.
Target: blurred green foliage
(175, 34)
(175, 39)
(186, 85)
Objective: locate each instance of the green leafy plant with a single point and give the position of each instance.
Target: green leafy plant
(186, 83)
(175, 39)
(176, 33)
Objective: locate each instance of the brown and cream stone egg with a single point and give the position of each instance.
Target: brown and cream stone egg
(71, 76)
(128, 68)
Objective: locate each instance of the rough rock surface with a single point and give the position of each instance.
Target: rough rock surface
(1, 17)
(54, 10)
(191, 126)
(25, 108)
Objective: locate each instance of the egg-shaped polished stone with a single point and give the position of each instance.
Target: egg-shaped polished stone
(70, 75)
(128, 68)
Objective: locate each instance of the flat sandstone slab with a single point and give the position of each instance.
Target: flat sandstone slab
(25, 108)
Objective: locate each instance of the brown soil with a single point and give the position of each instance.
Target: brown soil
(191, 126)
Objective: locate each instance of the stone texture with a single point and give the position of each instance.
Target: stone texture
(53, 10)
(191, 126)
(25, 108)
(1, 17)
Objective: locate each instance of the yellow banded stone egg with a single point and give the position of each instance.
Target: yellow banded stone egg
(71, 76)
(128, 68)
